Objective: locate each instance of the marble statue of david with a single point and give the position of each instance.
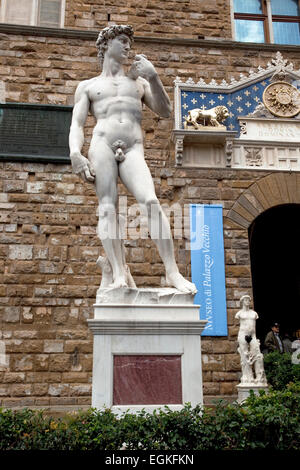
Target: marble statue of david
(249, 345)
(116, 150)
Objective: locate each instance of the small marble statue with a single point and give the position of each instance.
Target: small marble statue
(296, 351)
(252, 361)
(116, 150)
(209, 118)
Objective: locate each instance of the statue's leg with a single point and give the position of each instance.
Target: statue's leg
(106, 169)
(246, 363)
(259, 369)
(107, 277)
(129, 279)
(136, 176)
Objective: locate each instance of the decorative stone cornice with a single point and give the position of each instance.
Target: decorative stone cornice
(278, 64)
(91, 35)
(25, 30)
(100, 327)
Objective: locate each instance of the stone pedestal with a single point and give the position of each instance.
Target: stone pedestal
(244, 390)
(147, 349)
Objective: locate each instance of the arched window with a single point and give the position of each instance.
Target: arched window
(49, 13)
(275, 21)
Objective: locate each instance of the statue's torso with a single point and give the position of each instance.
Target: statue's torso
(247, 322)
(116, 103)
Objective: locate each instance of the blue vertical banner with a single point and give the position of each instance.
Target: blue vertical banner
(208, 266)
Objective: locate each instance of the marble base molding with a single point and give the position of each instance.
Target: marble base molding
(244, 390)
(146, 355)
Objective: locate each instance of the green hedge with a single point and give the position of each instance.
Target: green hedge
(268, 421)
(280, 370)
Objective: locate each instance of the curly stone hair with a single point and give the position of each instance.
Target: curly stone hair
(110, 32)
(243, 298)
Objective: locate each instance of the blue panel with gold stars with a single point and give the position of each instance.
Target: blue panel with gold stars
(239, 103)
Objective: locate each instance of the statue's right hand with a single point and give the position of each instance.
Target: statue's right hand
(82, 167)
(142, 67)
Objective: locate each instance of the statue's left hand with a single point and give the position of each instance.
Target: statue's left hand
(142, 67)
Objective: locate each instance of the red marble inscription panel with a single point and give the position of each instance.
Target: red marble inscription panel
(147, 380)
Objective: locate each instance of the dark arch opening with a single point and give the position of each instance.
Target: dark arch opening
(274, 239)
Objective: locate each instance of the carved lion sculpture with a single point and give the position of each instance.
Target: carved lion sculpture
(206, 117)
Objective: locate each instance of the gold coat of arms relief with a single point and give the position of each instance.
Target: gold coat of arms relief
(282, 99)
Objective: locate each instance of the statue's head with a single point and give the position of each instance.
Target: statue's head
(245, 300)
(109, 33)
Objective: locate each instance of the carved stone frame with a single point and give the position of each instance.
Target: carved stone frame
(180, 136)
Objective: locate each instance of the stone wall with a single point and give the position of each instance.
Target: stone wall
(188, 18)
(48, 252)
(39, 69)
(48, 242)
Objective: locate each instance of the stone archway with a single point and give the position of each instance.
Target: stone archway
(262, 210)
(272, 190)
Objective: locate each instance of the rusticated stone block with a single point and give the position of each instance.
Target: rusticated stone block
(14, 346)
(42, 401)
(13, 377)
(14, 186)
(210, 388)
(224, 346)
(206, 345)
(210, 193)
(40, 389)
(82, 346)
(12, 314)
(213, 362)
(57, 390)
(228, 388)
(86, 361)
(53, 346)
(80, 389)
(207, 376)
(59, 362)
(20, 252)
(23, 363)
(26, 334)
(33, 346)
(14, 402)
(75, 377)
(20, 390)
(84, 401)
(224, 376)
(238, 271)
(41, 362)
(232, 362)
(60, 315)
(4, 391)
(63, 401)
(74, 334)
(43, 377)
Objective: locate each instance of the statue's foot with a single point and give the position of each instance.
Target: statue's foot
(119, 282)
(177, 280)
(129, 278)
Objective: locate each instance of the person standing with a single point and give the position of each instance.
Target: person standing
(273, 341)
(287, 343)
